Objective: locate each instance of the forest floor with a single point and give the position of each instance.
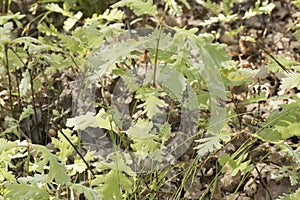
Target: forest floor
(268, 59)
(274, 35)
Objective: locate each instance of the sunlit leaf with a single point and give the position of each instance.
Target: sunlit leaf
(152, 106)
(144, 141)
(26, 113)
(16, 17)
(89, 193)
(5, 32)
(110, 185)
(291, 81)
(174, 82)
(281, 125)
(26, 191)
(71, 21)
(112, 15)
(274, 67)
(61, 143)
(79, 165)
(57, 169)
(81, 122)
(139, 7)
(208, 144)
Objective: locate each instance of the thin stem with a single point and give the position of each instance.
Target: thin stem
(18, 75)
(156, 55)
(9, 78)
(33, 104)
(74, 61)
(263, 182)
(127, 21)
(274, 59)
(277, 62)
(77, 151)
(28, 157)
(4, 7)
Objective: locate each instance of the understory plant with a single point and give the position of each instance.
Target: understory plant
(144, 87)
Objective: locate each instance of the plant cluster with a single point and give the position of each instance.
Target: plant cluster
(139, 88)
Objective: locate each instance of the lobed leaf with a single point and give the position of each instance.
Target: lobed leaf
(89, 193)
(57, 169)
(26, 191)
(110, 185)
(139, 7)
(61, 143)
(281, 125)
(291, 81)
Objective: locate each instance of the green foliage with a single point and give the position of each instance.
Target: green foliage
(14, 125)
(291, 172)
(273, 66)
(7, 150)
(288, 150)
(210, 144)
(101, 120)
(281, 125)
(175, 7)
(296, 3)
(48, 170)
(15, 17)
(87, 7)
(5, 31)
(293, 196)
(96, 48)
(237, 161)
(26, 191)
(65, 148)
(261, 7)
(57, 169)
(113, 182)
(152, 101)
(139, 7)
(37, 184)
(236, 165)
(144, 141)
(223, 12)
(297, 32)
(291, 81)
(173, 81)
(79, 166)
(89, 193)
